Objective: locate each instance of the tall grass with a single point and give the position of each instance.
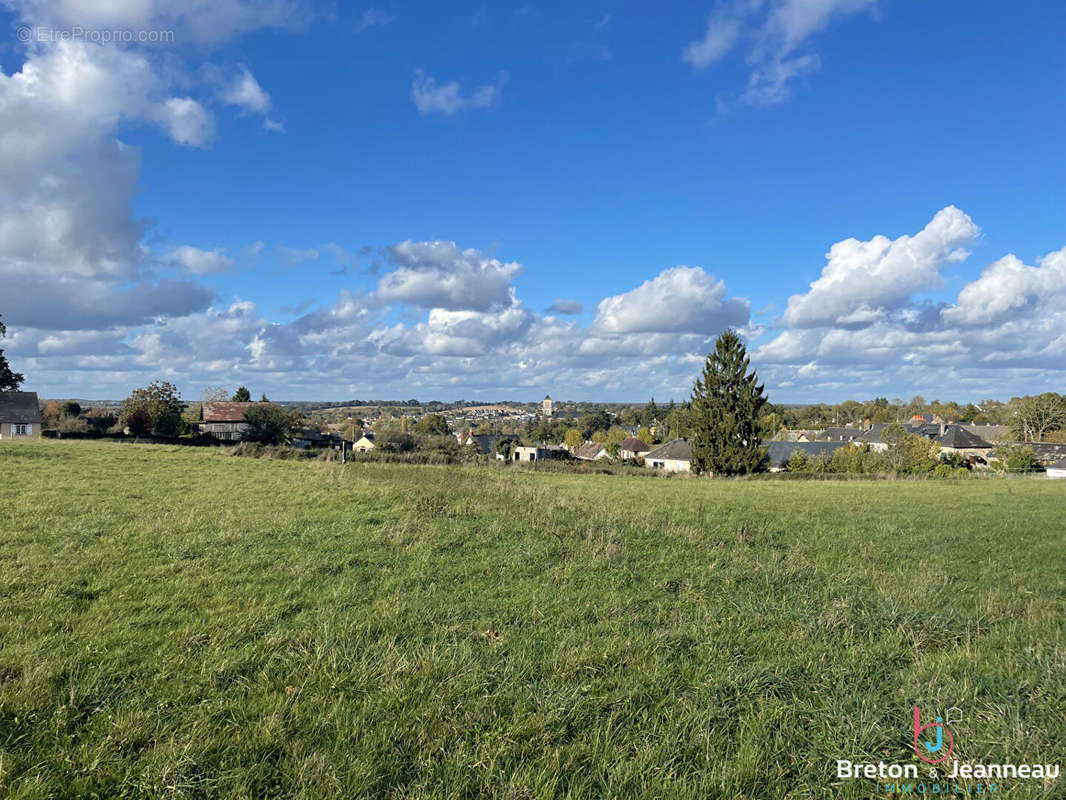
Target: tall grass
(180, 623)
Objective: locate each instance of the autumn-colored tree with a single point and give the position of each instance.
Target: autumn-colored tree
(615, 437)
(573, 438)
(155, 409)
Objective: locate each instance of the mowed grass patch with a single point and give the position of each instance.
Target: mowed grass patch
(181, 623)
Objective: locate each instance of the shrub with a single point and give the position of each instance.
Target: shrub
(798, 462)
(907, 453)
(71, 425)
(394, 442)
(101, 419)
(856, 459)
(279, 452)
(1019, 459)
(445, 446)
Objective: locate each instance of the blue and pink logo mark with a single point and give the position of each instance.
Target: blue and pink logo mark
(931, 748)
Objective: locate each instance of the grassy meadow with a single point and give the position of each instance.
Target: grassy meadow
(183, 623)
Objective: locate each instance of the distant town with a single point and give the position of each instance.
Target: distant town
(1022, 435)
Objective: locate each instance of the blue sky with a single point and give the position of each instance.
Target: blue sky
(233, 207)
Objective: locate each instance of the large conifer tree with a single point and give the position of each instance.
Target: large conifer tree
(726, 402)
(9, 380)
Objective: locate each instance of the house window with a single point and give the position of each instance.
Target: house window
(21, 430)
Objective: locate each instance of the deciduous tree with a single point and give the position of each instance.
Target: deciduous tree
(431, 425)
(269, 423)
(155, 409)
(615, 437)
(573, 438)
(1033, 416)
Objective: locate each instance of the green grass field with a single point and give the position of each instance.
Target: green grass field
(183, 623)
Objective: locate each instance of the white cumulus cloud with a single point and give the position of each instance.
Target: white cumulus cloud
(437, 274)
(679, 299)
(1009, 288)
(862, 281)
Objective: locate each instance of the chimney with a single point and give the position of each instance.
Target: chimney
(943, 428)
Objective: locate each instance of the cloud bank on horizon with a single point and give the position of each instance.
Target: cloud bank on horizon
(96, 303)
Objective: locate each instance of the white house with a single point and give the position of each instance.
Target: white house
(1057, 470)
(543, 452)
(675, 456)
(632, 447)
(364, 443)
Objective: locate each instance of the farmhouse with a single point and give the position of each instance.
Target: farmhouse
(675, 456)
(20, 416)
(632, 447)
(224, 420)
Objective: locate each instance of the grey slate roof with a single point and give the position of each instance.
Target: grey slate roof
(988, 432)
(781, 452)
(958, 437)
(633, 444)
(485, 443)
(839, 435)
(19, 407)
(1044, 451)
(677, 450)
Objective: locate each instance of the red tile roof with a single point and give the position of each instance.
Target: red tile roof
(224, 412)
